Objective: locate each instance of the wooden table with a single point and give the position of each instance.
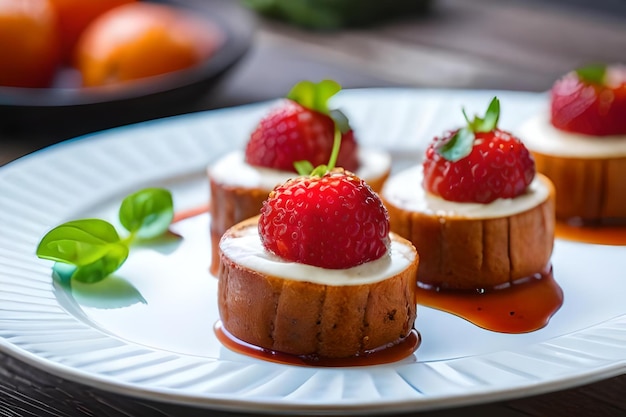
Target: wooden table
(483, 44)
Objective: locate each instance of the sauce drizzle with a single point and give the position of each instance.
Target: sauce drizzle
(600, 235)
(189, 213)
(383, 355)
(525, 306)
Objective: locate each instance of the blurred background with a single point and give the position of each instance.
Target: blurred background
(256, 50)
(269, 45)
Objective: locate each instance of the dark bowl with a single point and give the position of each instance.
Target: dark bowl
(71, 111)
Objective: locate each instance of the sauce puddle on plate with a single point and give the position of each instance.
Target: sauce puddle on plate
(600, 235)
(524, 306)
(380, 356)
(189, 213)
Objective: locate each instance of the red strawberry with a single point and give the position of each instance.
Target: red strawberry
(332, 221)
(478, 163)
(591, 101)
(302, 129)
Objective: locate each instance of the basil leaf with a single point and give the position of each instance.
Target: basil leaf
(95, 271)
(147, 213)
(592, 74)
(103, 267)
(458, 147)
(78, 242)
(314, 96)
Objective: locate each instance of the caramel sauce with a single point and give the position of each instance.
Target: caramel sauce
(602, 235)
(524, 306)
(189, 213)
(386, 354)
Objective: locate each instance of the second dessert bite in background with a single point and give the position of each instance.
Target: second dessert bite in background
(300, 127)
(579, 142)
(476, 211)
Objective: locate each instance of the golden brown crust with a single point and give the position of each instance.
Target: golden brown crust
(305, 318)
(231, 205)
(461, 253)
(590, 189)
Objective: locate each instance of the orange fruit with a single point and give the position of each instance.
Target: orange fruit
(75, 15)
(143, 39)
(28, 43)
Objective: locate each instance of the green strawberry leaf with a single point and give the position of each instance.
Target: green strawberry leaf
(592, 74)
(303, 167)
(461, 143)
(458, 146)
(314, 96)
(489, 122)
(147, 213)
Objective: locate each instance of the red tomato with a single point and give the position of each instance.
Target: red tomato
(75, 15)
(28, 43)
(143, 39)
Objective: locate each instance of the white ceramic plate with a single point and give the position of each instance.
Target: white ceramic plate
(148, 331)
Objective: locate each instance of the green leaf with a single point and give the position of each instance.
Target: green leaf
(95, 271)
(490, 121)
(89, 250)
(592, 74)
(461, 143)
(314, 96)
(78, 242)
(147, 213)
(103, 267)
(458, 146)
(303, 167)
(319, 171)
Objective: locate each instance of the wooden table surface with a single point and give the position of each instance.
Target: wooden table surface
(482, 44)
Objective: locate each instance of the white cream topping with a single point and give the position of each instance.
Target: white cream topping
(539, 135)
(233, 170)
(248, 251)
(405, 190)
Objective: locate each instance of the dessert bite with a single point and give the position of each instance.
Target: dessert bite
(580, 144)
(318, 274)
(478, 214)
(301, 127)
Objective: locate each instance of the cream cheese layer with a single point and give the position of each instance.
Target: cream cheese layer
(245, 248)
(234, 171)
(539, 135)
(404, 190)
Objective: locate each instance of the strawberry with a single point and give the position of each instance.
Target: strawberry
(331, 221)
(478, 163)
(302, 128)
(591, 101)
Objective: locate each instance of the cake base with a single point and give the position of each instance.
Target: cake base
(477, 253)
(592, 191)
(311, 319)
